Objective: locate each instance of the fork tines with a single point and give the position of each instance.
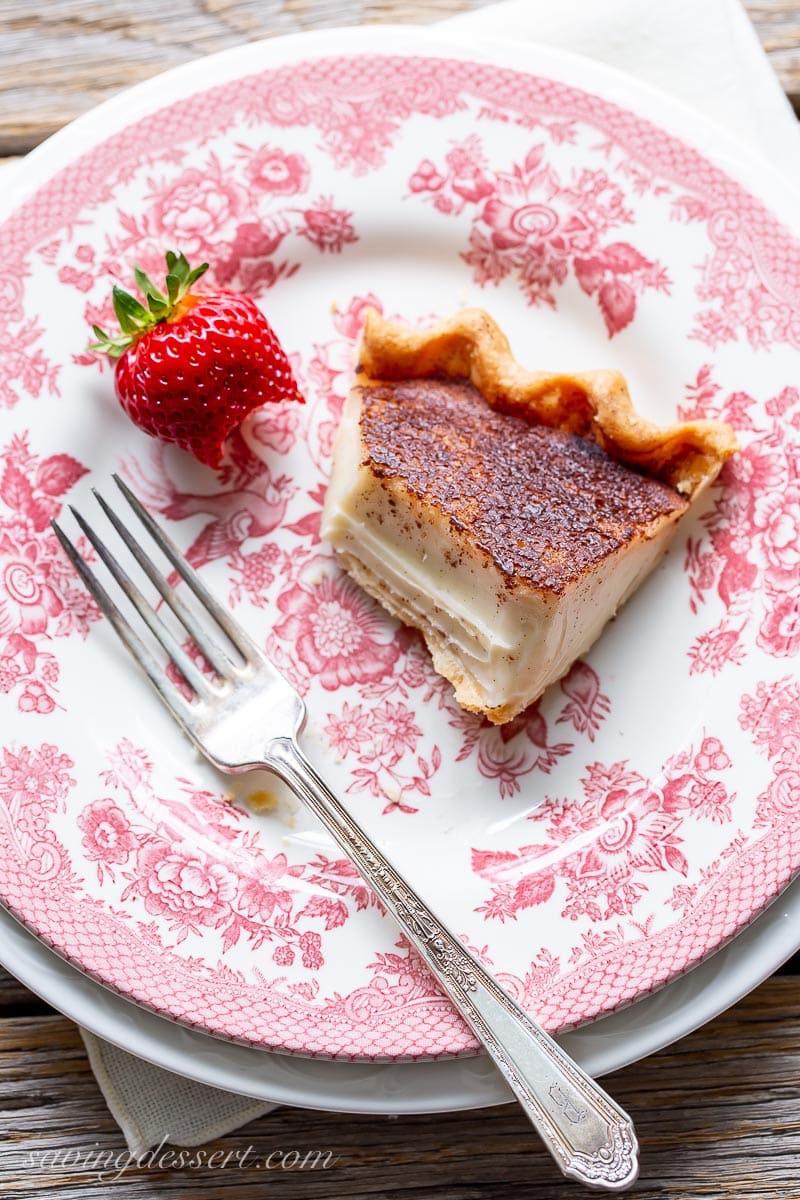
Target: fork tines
(220, 661)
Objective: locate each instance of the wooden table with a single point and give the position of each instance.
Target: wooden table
(61, 57)
(718, 1114)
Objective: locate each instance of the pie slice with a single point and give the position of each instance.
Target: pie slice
(506, 514)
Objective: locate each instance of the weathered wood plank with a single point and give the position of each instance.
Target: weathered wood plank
(16, 1000)
(777, 23)
(61, 58)
(718, 1115)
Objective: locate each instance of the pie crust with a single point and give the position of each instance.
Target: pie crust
(596, 404)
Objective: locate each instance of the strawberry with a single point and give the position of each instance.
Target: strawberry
(191, 365)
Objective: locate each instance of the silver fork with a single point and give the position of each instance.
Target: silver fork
(231, 718)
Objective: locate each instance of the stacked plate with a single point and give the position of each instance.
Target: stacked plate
(597, 853)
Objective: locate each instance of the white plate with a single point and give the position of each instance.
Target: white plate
(394, 1088)
(604, 844)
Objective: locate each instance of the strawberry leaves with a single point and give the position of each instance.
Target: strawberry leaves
(180, 276)
(134, 317)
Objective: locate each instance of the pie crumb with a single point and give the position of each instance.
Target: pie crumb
(275, 802)
(262, 801)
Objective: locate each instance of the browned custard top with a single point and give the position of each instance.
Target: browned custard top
(544, 504)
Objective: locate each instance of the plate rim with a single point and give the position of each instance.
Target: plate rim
(672, 113)
(400, 1088)
(435, 44)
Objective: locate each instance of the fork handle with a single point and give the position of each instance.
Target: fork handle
(590, 1137)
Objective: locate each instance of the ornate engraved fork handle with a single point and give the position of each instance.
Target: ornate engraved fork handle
(589, 1136)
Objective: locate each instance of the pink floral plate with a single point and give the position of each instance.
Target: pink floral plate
(632, 822)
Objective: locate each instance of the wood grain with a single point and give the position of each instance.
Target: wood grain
(16, 1000)
(718, 1116)
(777, 23)
(60, 58)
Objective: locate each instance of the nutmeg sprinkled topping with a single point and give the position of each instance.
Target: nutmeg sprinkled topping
(544, 504)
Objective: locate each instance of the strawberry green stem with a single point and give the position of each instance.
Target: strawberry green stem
(134, 317)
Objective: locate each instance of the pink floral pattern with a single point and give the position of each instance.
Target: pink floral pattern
(40, 598)
(336, 633)
(748, 553)
(637, 832)
(34, 784)
(240, 217)
(379, 738)
(737, 299)
(507, 753)
(107, 834)
(25, 370)
(529, 223)
(191, 886)
(603, 864)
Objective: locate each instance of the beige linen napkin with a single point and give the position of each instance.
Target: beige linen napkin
(706, 53)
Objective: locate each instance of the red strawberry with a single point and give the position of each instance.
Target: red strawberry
(191, 365)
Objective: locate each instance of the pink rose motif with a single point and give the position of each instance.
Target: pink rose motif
(25, 583)
(350, 321)
(778, 516)
(194, 210)
(780, 629)
(283, 956)
(178, 882)
(783, 793)
(108, 836)
(276, 171)
(327, 227)
(635, 834)
(336, 632)
(276, 427)
(515, 226)
(260, 897)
